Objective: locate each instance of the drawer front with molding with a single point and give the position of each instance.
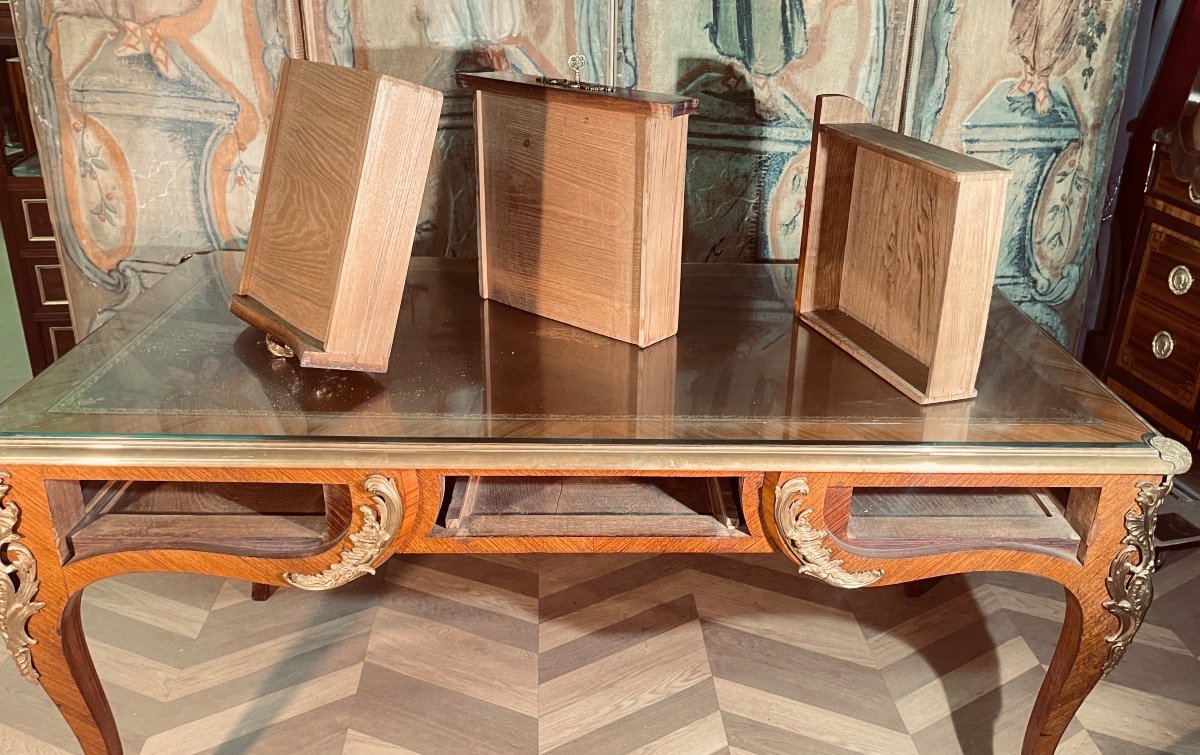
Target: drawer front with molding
(52, 289)
(1170, 267)
(34, 213)
(46, 282)
(1160, 349)
(1165, 185)
(57, 335)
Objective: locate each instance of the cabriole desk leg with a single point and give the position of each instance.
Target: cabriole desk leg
(69, 678)
(1105, 608)
(1108, 588)
(39, 620)
(47, 594)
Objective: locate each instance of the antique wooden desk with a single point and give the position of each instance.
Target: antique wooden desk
(171, 440)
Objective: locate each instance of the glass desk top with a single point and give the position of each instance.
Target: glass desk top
(742, 370)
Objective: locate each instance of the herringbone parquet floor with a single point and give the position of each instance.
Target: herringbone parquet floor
(609, 654)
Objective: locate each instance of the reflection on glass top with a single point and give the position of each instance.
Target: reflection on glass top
(741, 369)
(30, 167)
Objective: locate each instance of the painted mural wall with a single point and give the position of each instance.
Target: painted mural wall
(429, 41)
(1035, 86)
(756, 67)
(1031, 84)
(151, 119)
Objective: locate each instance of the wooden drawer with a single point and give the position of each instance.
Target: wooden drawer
(1161, 349)
(1170, 266)
(46, 282)
(57, 336)
(33, 219)
(1165, 185)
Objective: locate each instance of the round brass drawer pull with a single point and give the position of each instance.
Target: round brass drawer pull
(1180, 280)
(1163, 345)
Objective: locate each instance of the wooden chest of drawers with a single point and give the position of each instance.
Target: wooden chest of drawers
(37, 274)
(1154, 363)
(36, 270)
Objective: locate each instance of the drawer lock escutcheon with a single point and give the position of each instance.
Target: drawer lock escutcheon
(1163, 345)
(1180, 280)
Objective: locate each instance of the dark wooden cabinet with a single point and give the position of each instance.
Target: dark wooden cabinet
(25, 219)
(1154, 362)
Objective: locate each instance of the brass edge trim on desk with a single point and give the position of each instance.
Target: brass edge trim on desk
(17, 604)
(1081, 459)
(1172, 452)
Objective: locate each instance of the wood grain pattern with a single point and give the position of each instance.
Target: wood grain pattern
(338, 511)
(426, 536)
(897, 252)
(581, 209)
(664, 169)
(974, 252)
(588, 507)
(482, 137)
(537, 366)
(1080, 511)
(1090, 448)
(553, 224)
(1178, 375)
(143, 497)
(1189, 216)
(900, 251)
(225, 517)
(67, 509)
(1149, 306)
(297, 239)
(227, 533)
(869, 347)
(1137, 399)
(929, 158)
(331, 236)
(962, 503)
(625, 101)
(1167, 249)
(821, 395)
(1167, 185)
(501, 495)
(926, 520)
(592, 525)
(387, 203)
(827, 206)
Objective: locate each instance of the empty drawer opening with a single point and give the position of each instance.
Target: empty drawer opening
(497, 506)
(263, 519)
(920, 521)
